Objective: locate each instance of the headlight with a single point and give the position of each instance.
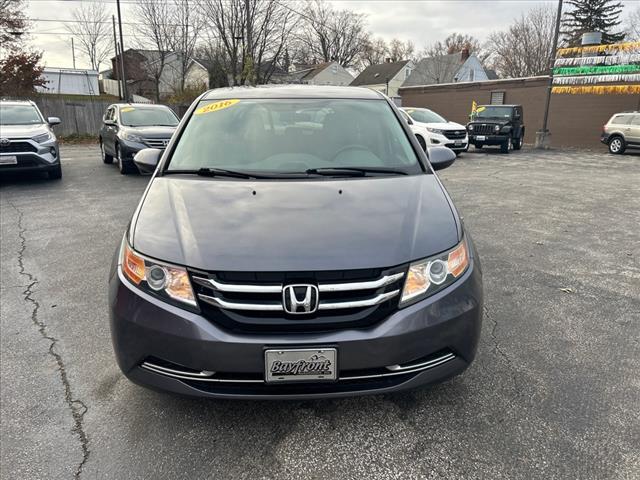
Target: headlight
(470, 128)
(44, 137)
(131, 137)
(164, 280)
(506, 129)
(435, 130)
(430, 275)
(496, 128)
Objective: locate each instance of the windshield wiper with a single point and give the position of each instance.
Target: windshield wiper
(353, 171)
(216, 172)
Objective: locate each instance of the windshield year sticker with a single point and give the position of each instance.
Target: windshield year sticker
(481, 109)
(127, 109)
(214, 107)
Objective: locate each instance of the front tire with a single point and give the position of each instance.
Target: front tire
(55, 173)
(106, 158)
(517, 145)
(506, 145)
(478, 146)
(123, 167)
(617, 145)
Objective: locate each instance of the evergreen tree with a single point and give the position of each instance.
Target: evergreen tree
(592, 16)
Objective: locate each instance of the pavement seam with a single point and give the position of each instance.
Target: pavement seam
(78, 407)
(497, 348)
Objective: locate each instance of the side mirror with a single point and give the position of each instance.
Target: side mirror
(441, 157)
(147, 159)
(53, 121)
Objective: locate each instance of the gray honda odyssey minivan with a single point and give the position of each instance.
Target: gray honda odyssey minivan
(294, 242)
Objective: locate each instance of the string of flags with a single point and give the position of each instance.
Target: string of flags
(596, 74)
(623, 58)
(598, 89)
(613, 47)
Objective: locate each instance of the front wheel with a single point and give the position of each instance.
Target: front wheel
(517, 144)
(123, 166)
(617, 145)
(55, 173)
(506, 145)
(478, 146)
(106, 158)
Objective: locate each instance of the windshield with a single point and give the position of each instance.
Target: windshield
(148, 116)
(493, 112)
(425, 116)
(19, 115)
(294, 136)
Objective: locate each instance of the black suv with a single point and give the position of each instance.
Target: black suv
(129, 127)
(497, 125)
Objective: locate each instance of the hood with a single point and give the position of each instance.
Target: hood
(442, 126)
(332, 224)
(151, 132)
(23, 131)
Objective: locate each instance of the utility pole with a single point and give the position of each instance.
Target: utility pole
(249, 51)
(115, 47)
(73, 53)
(542, 136)
(123, 74)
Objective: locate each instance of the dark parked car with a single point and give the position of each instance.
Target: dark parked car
(130, 127)
(27, 142)
(294, 242)
(501, 125)
(622, 131)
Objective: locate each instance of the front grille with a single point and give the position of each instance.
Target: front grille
(160, 143)
(18, 147)
(455, 134)
(483, 128)
(253, 302)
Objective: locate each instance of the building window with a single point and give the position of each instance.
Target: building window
(407, 72)
(497, 98)
(471, 75)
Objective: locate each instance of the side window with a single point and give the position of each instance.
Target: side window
(635, 120)
(621, 119)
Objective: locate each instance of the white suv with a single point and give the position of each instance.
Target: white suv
(433, 130)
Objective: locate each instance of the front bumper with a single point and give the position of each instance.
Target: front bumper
(145, 329)
(44, 157)
(489, 139)
(457, 145)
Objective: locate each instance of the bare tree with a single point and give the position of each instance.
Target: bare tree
(330, 34)
(184, 32)
(633, 26)
(374, 51)
(155, 31)
(90, 27)
(399, 50)
(13, 24)
(455, 43)
(523, 49)
(270, 22)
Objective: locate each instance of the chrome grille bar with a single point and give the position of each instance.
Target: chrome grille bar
(230, 287)
(256, 307)
(345, 287)
(369, 302)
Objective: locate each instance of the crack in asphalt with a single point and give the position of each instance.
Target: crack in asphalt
(78, 407)
(498, 349)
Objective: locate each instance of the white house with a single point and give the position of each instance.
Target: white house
(327, 73)
(385, 77)
(73, 81)
(453, 68)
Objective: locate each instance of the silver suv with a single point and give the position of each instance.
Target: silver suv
(27, 141)
(622, 131)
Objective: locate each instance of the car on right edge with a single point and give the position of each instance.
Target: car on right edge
(622, 131)
(501, 125)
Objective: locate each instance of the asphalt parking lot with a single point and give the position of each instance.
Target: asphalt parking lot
(554, 391)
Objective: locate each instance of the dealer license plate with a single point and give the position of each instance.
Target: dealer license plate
(8, 160)
(457, 144)
(298, 365)
(481, 137)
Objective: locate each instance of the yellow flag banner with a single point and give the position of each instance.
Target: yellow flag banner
(474, 106)
(598, 90)
(614, 47)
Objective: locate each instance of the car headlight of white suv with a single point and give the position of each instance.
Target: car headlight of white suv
(44, 137)
(436, 130)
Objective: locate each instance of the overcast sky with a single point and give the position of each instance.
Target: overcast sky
(421, 21)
